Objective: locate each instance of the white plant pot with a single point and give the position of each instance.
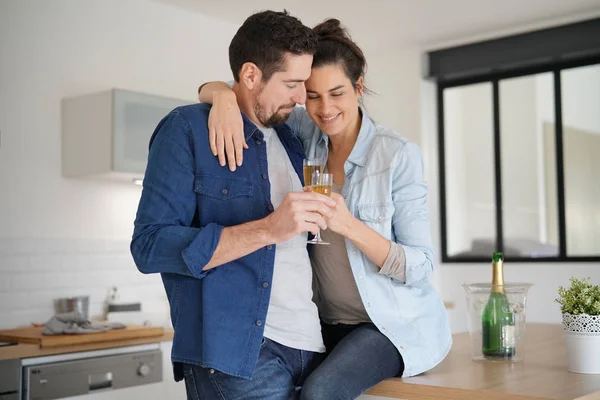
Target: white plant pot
(582, 340)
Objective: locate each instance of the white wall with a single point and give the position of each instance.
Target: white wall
(394, 76)
(61, 237)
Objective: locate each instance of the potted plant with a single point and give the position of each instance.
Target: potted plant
(580, 307)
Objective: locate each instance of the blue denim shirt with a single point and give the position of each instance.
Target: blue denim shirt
(385, 189)
(218, 315)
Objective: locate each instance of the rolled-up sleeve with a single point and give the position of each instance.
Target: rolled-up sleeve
(411, 221)
(164, 240)
(395, 263)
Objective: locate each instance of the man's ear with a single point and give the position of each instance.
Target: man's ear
(250, 75)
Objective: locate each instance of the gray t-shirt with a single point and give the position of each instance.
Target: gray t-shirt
(336, 293)
(292, 317)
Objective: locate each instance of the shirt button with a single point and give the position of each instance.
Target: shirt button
(379, 218)
(225, 191)
(270, 207)
(258, 141)
(264, 176)
(212, 371)
(269, 247)
(258, 322)
(368, 304)
(383, 328)
(265, 284)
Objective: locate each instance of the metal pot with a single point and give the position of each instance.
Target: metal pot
(80, 304)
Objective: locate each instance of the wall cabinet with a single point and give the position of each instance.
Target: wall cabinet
(106, 134)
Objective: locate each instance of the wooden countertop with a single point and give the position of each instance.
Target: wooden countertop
(24, 350)
(542, 375)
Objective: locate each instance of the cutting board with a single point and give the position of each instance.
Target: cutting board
(34, 335)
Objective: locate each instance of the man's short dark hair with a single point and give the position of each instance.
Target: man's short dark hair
(265, 37)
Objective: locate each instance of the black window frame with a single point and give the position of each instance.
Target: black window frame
(443, 70)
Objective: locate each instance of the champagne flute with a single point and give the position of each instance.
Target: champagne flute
(311, 165)
(320, 183)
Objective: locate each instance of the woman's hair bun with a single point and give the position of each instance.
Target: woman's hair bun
(330, 28)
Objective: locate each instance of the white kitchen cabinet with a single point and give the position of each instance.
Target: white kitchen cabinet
(106, 134)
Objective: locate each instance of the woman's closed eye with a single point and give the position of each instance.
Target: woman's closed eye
(315, 97)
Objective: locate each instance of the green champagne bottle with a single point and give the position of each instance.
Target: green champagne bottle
(497, 322)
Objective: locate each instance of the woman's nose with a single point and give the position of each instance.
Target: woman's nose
(325, 105)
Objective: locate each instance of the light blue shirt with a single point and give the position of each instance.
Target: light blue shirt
(384, 188)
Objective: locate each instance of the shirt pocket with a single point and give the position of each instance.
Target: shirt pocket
(378, 217)
(224, 200)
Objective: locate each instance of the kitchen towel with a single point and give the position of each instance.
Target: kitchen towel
(73, 323)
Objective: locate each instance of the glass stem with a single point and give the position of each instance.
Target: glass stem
(318, 235)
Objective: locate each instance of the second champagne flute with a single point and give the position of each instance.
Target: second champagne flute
(320, 183)
(311, 165)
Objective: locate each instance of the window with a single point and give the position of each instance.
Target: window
(519, 146)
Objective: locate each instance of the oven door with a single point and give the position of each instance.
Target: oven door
(65, 378)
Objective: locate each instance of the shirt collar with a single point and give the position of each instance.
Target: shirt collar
(250, 128)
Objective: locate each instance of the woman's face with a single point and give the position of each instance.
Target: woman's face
(331, 100)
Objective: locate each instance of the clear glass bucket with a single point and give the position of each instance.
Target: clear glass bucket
(478, 295)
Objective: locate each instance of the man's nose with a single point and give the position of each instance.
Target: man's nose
(300, 95)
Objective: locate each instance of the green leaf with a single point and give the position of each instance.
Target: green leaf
(580, 298)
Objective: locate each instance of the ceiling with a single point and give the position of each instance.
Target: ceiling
(422, 22)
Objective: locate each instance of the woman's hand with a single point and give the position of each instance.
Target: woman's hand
(341, 219)
(225, 124)
(226, 130)
(371, 243)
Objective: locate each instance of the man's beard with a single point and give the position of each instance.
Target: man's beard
(273, 120)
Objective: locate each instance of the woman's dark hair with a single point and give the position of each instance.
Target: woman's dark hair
(335, 47)
(265, 37)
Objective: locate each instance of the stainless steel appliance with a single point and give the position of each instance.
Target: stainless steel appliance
(66, 375)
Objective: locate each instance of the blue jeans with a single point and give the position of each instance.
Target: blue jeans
(358, 357)
(279, 375)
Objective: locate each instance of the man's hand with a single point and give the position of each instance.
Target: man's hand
(299, 212)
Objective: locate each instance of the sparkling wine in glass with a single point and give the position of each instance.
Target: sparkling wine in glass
(310, 166)
(320, 183)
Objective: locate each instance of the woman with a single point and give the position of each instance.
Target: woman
(380, 316)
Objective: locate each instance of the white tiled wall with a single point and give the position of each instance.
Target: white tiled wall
(33, 272)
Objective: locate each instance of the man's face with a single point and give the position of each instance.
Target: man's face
(275, 99)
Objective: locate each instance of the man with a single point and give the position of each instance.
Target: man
(231, 248)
